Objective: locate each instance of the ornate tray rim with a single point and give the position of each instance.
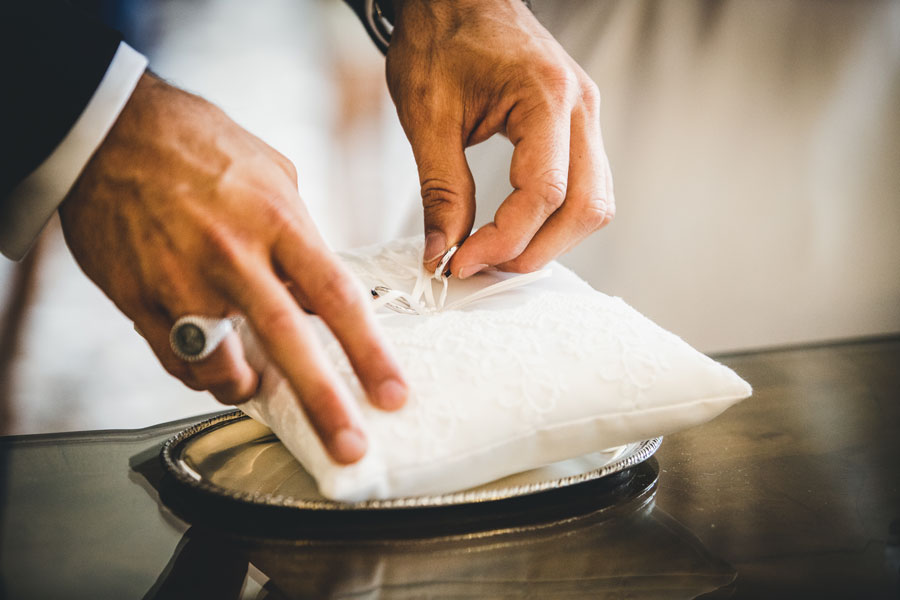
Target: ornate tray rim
(170, 455)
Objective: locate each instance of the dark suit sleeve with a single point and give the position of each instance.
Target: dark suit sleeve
(53, 58)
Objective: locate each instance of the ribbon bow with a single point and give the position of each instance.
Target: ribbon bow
(422, 301)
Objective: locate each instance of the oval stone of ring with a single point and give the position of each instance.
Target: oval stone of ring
(190, 339)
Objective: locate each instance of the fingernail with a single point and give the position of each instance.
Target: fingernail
(435, 246)
(391, 394)
(348, 446)
(470, 270)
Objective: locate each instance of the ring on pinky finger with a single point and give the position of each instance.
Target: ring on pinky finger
(194, 337)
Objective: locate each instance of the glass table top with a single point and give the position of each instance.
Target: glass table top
(793, 493)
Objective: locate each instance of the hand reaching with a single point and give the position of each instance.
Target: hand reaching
(460, 71)
(181, 211)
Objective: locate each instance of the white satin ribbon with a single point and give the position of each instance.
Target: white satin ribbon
(422, 301)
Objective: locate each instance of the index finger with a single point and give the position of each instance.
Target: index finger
(539, 177)
(286, 334)
(329, 291)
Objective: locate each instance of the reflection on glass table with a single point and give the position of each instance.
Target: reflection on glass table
(629, 548)
(794, 493)
(96, 515)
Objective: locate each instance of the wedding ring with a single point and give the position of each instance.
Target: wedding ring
(194, 337)
(439, 271)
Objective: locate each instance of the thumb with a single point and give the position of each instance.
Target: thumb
(448, 193)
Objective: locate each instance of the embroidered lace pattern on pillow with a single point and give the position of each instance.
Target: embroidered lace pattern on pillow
(513, 373)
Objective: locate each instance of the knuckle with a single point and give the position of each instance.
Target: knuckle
(177, 369)
(223, 246)
(435, 201)
(274, 321)
(560, 81)
(552, 189)
(556, 73)
(173, 365)
(273, 209)
(439, 194)
(337, 290)
(610, 212)
(226, 379)
(289, 168)
(225, 257)
(596, 213)
(189, 380)
(590, 95)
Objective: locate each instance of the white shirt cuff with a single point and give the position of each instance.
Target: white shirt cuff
(34, 200)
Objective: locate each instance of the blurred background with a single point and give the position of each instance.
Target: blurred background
(755, 148)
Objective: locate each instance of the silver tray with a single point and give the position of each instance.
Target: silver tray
(232, 456)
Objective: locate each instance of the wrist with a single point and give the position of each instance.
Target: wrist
(400, 14)
(392, 8)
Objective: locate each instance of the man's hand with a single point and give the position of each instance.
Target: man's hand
(460, 71)
(180, 212)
